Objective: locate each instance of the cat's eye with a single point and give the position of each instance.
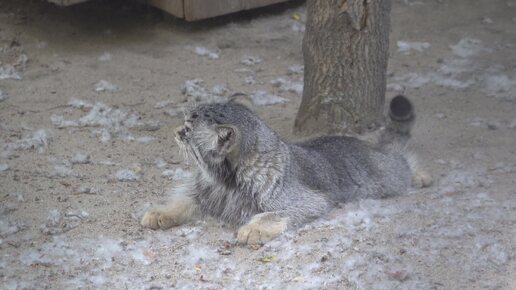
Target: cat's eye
(195, 115)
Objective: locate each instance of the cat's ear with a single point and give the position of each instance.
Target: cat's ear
(227, 137)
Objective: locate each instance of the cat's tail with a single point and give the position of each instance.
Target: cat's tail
(396, 134)
(401, 120)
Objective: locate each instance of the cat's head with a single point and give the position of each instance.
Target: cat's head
(218, 134)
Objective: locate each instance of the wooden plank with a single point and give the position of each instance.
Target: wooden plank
(66, 2)
(174, 7)
(250, 4)
(192, 10)
(202, 9)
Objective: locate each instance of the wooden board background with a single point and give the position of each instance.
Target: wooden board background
(192, 10)
(174, 7)
(66, 2)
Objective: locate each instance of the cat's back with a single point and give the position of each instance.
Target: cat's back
(336, 149)
(322, 163)
(353, 167)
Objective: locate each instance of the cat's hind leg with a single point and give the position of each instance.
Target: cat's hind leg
(420, 178)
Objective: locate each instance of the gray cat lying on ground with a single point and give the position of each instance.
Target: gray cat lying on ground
(246, 175)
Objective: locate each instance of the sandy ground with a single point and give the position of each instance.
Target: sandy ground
(89, 99)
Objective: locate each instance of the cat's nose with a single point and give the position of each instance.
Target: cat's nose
(181, 131)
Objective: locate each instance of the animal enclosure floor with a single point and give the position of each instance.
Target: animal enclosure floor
(89, 99)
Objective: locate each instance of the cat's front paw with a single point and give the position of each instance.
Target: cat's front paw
(261, 229)
(157, 219)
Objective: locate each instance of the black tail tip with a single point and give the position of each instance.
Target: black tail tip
(401, 109)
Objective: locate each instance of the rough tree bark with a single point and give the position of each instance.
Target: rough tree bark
(345, 50)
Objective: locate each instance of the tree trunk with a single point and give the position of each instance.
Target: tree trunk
(345, 50)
